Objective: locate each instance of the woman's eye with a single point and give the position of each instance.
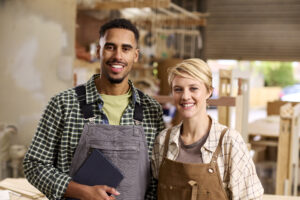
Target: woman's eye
(177, 89)
(194, 88)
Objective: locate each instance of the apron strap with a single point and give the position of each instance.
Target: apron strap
(194, 185)
(216, 153)
(138, 109)
(86, 109)
(166, 146)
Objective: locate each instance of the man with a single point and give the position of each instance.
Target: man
(108, 113)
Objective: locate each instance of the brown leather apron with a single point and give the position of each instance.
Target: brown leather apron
(187, 181)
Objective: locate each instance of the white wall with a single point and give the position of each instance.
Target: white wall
(36, 58)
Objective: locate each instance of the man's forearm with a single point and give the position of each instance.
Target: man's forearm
(76, 190)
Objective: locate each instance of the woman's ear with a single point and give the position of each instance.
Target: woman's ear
(209, 92)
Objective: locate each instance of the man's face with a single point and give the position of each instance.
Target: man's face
(118, 52)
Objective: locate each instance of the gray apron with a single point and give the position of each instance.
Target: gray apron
(125, 146)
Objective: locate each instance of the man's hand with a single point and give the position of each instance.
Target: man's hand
(85, 192)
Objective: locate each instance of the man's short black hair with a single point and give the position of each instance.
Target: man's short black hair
(119, 23)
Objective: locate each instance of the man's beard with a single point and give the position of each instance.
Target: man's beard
(115, 80)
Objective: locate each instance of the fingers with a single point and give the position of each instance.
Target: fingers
(112, 198)
(111, 190)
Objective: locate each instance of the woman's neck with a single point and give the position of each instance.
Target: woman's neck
(194, 129)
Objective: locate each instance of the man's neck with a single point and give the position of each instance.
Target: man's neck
(106, 87)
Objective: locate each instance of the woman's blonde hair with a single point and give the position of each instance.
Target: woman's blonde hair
(195, 68)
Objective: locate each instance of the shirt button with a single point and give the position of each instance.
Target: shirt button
(210, 170)
(171, 187)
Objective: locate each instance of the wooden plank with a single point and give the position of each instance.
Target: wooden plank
(178, 31)
(244, 30)
(288, 150)
(184, 11)
(282, 156)
(224, 90)
(279, 197)
(264, 143)
(294, 149)
(116, 5)
(169, 22)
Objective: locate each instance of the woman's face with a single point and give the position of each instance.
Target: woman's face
(190, 96)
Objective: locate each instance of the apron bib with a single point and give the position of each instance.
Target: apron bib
(125, 146)
(187, 181)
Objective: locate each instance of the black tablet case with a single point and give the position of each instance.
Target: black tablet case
(98, 170)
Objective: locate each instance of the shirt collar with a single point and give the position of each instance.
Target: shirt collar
(92, 94)
(212, 139)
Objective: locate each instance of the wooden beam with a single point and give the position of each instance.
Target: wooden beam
(184, 11)
(116, 5)
(170, 22)
(288, 150)
(178, 31)
(224, 91)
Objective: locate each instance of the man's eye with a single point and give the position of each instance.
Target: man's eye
(109, 47)
(194, 89)
(126, 48)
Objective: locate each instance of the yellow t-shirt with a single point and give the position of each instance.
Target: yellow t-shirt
(114, 106)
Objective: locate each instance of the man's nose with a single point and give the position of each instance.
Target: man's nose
(118, 54)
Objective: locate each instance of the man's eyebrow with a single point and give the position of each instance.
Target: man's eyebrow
(109, 43)
(123, 45)
(127, 45)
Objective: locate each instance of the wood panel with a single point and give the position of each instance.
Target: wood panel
(253, 30)
(115, 5)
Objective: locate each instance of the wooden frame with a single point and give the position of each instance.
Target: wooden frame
(288, 150)
(226, 87)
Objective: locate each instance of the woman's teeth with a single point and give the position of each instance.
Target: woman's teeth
(187, 105)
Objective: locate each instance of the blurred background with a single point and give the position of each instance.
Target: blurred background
(49, 46)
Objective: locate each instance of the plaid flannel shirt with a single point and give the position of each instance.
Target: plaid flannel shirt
(47, 162)
(236, 167)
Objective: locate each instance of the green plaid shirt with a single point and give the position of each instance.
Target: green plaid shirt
(47, 162)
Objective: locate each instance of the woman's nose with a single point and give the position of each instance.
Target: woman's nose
(186, 95)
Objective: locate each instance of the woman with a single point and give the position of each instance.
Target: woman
(200, 158)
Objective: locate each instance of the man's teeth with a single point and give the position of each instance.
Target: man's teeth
(188, 105)
(117, 66)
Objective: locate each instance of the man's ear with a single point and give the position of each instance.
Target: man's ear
(98, 51)
(137, 54)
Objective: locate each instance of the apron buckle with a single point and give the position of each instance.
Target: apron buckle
(137, 122)
(92, 120)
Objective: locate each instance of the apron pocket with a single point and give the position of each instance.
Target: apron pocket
(125, 156)
(167, 192)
